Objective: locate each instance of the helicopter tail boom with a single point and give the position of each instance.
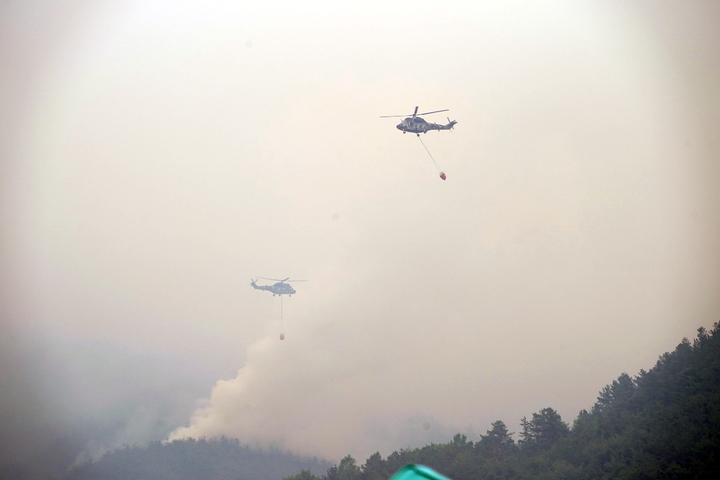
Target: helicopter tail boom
(256, 287)
(450, 125)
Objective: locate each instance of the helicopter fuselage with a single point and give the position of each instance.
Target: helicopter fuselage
(279, 288)
(418, 125)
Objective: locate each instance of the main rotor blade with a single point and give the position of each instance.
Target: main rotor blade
(285, 280)
(436, 111)
(415, 114)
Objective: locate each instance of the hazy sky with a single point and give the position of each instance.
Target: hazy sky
(156, 155)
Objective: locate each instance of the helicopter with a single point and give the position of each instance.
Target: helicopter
(279, 288)
(415, 124)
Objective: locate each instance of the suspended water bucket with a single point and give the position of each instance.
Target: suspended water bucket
(442, 175)
(282, 336)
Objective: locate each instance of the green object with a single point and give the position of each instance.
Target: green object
(417, 472)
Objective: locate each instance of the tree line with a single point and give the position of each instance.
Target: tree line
(663, 423)
(217, 458)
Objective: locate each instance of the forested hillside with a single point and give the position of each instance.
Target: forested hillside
(664, 423)
(220, 458)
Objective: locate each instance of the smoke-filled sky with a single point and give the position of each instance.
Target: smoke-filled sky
(157, 155)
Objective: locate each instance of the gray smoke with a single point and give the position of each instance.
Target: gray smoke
(152, 163)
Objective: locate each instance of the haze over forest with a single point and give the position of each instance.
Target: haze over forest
(155, 156)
